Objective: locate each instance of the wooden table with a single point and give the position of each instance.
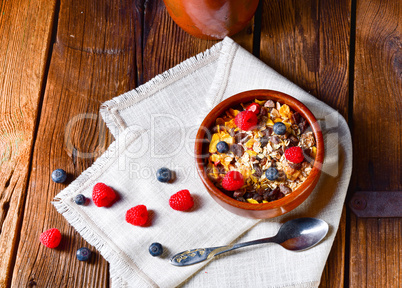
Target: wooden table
(62, 58)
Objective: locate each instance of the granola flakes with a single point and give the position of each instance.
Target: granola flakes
(252, 152)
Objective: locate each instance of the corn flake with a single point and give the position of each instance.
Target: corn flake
(252, 201)
(213, 172)
(250, 143)
(233, 112)
(220, 136)
(246, 172)
(214, 140)
(230, 124)
(285, 111)
(260, 102)
(226, 137)
(313, 151)
(215, 158)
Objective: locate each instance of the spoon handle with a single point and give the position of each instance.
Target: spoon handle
(194, 256)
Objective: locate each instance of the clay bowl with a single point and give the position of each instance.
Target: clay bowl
(263, 210)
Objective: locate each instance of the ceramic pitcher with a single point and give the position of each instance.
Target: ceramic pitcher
(211, 19)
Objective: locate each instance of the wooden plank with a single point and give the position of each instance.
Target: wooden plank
(334, 271)
(375, 251)
(166, 44)
(376, 244)
(308, 42)
(93, 60)
(25, 33)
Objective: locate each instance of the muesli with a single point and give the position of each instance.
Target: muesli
(260, 151)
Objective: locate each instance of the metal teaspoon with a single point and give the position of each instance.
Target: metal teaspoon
(296, 235)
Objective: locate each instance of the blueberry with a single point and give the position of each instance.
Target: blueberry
(59, 175)
(164, 175)
(279, 128)
(156, 249)
(83, 254)
(272, 173)
(222, 147)
(80, 199)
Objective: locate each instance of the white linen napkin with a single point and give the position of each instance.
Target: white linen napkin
(154, 126)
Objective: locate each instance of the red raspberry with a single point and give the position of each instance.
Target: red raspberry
(254, 107)
(294, 154)
(181, 201)
(50, 238)
(137, 215)
(232, 181)
(103, 195)
(246, 120)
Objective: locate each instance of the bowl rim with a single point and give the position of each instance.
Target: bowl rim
(246, 96)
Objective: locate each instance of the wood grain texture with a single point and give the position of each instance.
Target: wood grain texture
(375, 244)
(375, 252)
(308, 42)
(93, 60)
(165, 44)
(334, 271)
(25, 32)
(97, 55)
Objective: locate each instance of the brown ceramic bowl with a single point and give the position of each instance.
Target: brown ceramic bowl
(263, 210)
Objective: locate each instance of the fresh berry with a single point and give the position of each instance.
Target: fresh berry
(254, 107)
(59, 175)
(164, 175)
(80, 199)
(232, 181)
(83, 254)
(103, 195)
(246, 120)
(294, 154)
(181, 201)
(137, 215)
(50, 238)
(279, 128)
(156, 249)
(222, 147)
(272, 173)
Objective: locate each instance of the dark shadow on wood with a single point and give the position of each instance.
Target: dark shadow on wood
(257, 30)
(352, 51)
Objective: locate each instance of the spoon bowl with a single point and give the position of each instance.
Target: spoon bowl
(302, 233)
(295, 235)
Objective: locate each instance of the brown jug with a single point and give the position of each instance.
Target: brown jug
(211, 19)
